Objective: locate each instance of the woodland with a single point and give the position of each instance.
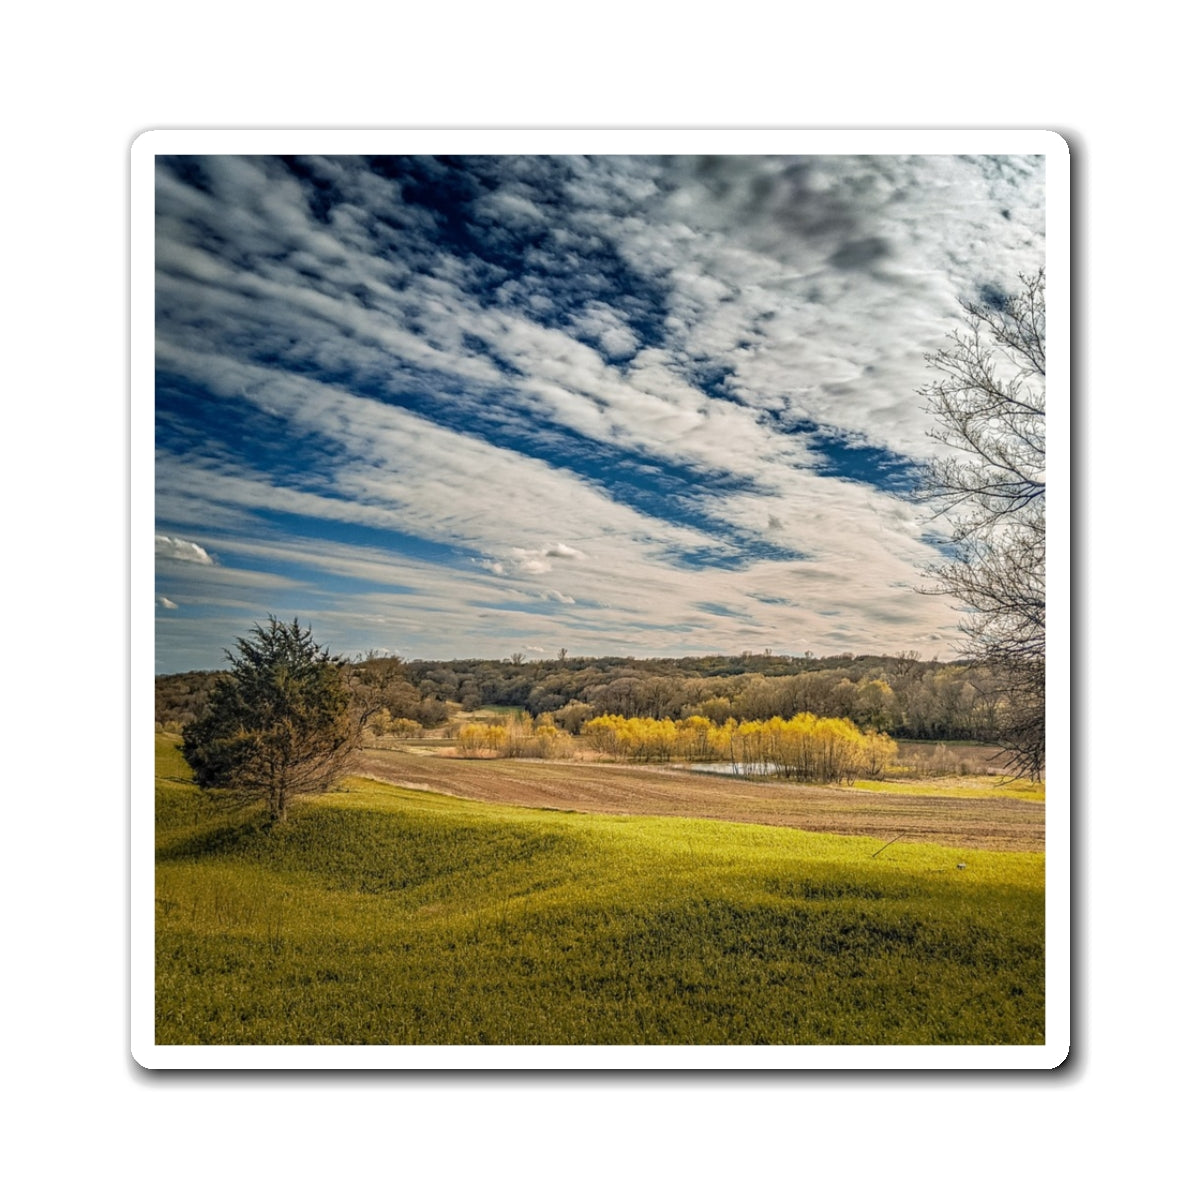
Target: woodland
(901, 695)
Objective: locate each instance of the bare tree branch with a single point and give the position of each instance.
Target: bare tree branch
(989, 402)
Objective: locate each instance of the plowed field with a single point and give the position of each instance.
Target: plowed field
(984, 823)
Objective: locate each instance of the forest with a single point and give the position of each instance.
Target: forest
(901, 695)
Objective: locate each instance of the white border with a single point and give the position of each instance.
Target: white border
(597, 141)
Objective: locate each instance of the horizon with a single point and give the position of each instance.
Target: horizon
(958, 660)
(638, 407)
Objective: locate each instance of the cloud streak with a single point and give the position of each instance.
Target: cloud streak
(668, 386)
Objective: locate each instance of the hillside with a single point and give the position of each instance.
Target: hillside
(379, 914)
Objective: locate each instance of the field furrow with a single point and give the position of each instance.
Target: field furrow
(983, 821)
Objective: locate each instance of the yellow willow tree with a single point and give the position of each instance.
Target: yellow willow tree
(806, 747)
(810, 748)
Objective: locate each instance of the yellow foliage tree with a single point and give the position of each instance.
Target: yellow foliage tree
(807, 747)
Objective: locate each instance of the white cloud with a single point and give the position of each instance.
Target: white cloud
(531, 563)
(511, 209)
(180, 549)
(619, 343)
(164, 602)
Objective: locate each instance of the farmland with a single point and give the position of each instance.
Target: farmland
(929, 812)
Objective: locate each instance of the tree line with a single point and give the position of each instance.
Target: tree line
(804, 747)
(900, 695)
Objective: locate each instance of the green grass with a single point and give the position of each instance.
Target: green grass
(380, 915)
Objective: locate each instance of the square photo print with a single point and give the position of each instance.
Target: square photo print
(607, 612)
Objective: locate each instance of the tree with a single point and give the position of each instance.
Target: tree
(280, 724)
(990, 406)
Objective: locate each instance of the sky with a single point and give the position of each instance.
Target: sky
(653, 406)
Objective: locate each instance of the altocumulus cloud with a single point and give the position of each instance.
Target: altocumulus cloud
(398, 393)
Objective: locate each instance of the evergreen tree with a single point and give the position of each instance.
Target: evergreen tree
(280, 723)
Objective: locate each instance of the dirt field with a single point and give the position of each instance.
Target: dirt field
(986, 823)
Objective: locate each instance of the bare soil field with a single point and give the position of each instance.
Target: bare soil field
(985, 823)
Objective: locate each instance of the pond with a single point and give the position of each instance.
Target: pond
(739, 769)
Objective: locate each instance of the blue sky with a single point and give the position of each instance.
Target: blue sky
(464, 407)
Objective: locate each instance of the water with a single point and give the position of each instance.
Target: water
(735, 769)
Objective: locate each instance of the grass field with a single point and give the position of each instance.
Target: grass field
(377, 914)
(971, 787)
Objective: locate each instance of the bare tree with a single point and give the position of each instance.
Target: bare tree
(989, 401)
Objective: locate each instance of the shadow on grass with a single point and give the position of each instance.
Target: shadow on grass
(233, 835)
